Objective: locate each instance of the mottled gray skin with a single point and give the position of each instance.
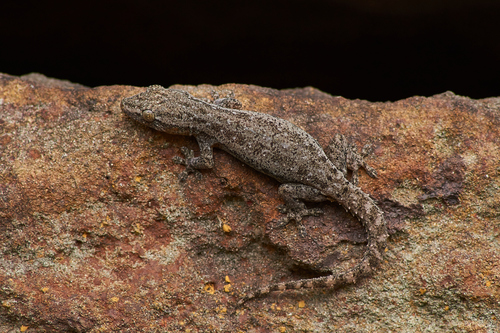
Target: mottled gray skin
(277, 148)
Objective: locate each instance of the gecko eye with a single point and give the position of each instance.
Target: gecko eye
(148, 115)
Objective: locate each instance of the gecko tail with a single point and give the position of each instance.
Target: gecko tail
(368, 263)
(372, 218)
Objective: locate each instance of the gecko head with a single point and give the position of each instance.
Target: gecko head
(166, 110)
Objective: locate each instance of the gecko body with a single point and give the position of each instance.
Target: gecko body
(274, 147)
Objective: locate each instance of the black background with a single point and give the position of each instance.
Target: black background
(369, 49)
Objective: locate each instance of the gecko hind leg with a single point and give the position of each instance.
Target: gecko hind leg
(228, 102)
(344, 155)
(294, 208)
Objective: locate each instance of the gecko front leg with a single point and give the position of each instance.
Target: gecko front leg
(205, 142)
(194, 164)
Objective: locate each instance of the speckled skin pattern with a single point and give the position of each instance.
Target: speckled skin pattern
(277, 148)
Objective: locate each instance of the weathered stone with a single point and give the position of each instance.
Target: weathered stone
(98, 234)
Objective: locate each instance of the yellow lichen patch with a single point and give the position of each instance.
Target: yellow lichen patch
(446, 308)
(274, 307)
(138, 179)
(114, 299)
(227, 288)
(282, 329)
(44, 289)
(302, 304)
(422, 291)
(488, 283)
(105, 223)
(23, 328)
(226, 228)
(137, 228)
(221, 310)
(227, 279)
(209, 288)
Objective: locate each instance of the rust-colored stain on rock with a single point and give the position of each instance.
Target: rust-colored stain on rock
(97, 233)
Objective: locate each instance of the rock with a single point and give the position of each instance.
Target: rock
(97, 233)
(50, 82)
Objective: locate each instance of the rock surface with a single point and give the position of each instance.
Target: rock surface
(98, 234)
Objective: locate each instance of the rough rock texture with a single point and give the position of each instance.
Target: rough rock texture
(98, 234)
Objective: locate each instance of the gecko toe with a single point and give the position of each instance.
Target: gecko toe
(302, 230)
(183, 176)
(188, 153)
(179, 160)
(315, 212)
(198, 174)
(282, 209)
(279, 223)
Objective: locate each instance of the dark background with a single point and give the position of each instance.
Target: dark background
(375, 50)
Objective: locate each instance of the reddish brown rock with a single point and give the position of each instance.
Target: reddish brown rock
(98, 234)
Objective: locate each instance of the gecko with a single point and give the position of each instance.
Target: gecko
(279, 149)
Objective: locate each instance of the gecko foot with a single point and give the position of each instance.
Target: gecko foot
(189, 156)
(344, 155)
(229, 102)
